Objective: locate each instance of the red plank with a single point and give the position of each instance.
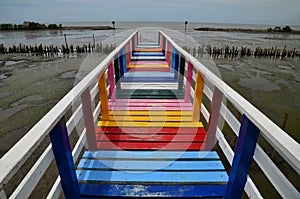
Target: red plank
(151, 130)
(151, 145)
(151, 138)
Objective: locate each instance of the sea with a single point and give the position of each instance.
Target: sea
(31, 85)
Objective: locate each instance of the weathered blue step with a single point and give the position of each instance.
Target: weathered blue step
(155, 191)
(117, 173)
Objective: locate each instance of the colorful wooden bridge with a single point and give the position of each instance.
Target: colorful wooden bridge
(145, 137)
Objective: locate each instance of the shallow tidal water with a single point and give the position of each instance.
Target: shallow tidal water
(31, 85)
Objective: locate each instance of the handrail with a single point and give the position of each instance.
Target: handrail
(19, 153)
(287, 147)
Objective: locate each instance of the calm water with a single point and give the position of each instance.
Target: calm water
(81, 37)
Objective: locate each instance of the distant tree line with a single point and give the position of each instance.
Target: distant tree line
(27, 25)
(279, 29)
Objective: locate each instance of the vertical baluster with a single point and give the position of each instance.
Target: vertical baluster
(199, 85)
(121, 64)
(64, 159)
(88, 119)
(103, 96)
(176, 66)
(124, 59)
(172, 60)
(242, 159)
(111, 79)
(214, 118)
(127, 53)
(189, 77)
(181, 73)
(117, 73)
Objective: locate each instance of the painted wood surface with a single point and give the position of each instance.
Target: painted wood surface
(151, 131)
(242, 159)
(182, 191)
(149, 124)
(64, 160)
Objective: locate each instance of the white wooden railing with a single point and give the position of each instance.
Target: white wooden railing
(13, 160)
(288, 148)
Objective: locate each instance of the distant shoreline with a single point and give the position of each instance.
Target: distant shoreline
(66, 28)
(245, 30)
(87, 28)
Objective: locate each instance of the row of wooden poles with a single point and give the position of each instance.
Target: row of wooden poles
(54, 50)
(235, 52)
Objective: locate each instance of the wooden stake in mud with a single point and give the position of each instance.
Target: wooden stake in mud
(65, 35)
(286, 116)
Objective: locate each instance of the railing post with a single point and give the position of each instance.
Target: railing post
(64, 159)
(172, 60)
(176, 66)
(199, 85)
(124, 56)
(103, 96)
(117, 73)
(121, 64)
(189, 77)
(214, 118)
(88, 119)
(111, 78)
(242, 158)
(181, 73)
(127, 49)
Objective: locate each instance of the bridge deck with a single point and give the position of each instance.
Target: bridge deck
(149, 143)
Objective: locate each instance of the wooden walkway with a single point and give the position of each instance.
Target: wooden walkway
(145, 137)
(149, 143)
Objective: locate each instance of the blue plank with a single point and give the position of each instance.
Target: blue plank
(64, 160)
(242, 159)
(148, 54)
(125, 190)
(153, 177)
(151, 165)
(157, 155)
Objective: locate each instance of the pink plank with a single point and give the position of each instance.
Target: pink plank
(152, 108)
(214, 117)
(150, 100)
(148, 62)
(188, 82)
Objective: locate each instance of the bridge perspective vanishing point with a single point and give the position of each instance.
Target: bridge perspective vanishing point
(151, 114)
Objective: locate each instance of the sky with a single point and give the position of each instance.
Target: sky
(269, 12)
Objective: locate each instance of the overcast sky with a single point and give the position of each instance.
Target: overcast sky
(273, 12)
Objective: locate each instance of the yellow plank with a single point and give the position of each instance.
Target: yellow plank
(150, 124)
(169, 113)
(198, 96)
(151, 118)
